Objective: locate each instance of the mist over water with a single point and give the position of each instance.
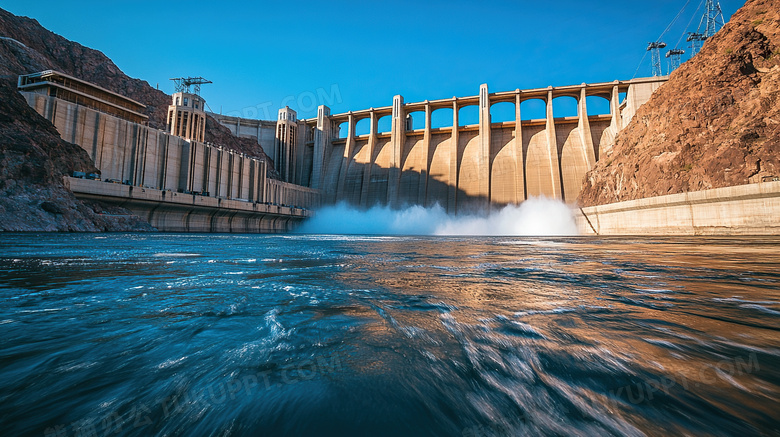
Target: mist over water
(534, 217)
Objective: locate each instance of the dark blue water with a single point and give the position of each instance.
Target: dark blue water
(182, 335)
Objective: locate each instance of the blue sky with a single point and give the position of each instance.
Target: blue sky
(356, 55)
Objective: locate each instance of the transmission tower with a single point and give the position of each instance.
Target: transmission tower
(712, 20)
(674, 59)
(696, 39)
(183, 84)
(655, 51)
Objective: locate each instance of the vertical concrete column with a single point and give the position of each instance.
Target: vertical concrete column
(584, 129)
(615, 123)
(207, 172)
(520, 194)
(321, 141)
(483, 161)
(263, 183)
(252, 180)
(397, 140)
(188, 126)
(367, 170)
(552, 149)
(96, 139)
(452, 193)
(218, 176)
(143, 138)
(347, 158)
(229, 174)
(246, 182)
(193, 157)
(422, 195)
(614, 109)
(162, 150)
(300, 148)
(171, 120)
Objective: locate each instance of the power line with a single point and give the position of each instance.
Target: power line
(688, 26)
(673, 21)
(656, 55)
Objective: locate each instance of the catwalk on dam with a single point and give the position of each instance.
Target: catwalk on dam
(352, 335)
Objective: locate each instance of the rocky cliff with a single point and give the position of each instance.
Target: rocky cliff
(715, 123)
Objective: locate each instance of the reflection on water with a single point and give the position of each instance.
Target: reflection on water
(334, 335)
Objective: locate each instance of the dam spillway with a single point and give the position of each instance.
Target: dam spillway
(460, 167)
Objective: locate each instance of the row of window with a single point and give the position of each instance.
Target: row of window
(195, 102)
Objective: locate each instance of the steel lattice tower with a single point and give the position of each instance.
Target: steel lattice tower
(674, 59)
(655, 51)
(183, 84)
(696, 39)
(712, 19)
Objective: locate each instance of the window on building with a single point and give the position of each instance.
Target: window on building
(185, 101)
(178, 101)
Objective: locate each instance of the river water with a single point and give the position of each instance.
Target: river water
(181, 335)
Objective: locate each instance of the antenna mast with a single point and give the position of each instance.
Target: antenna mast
(183, 84)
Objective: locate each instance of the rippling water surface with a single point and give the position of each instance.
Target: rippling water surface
(324, 335)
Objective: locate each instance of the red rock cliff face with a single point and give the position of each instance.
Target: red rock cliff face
(716, 123)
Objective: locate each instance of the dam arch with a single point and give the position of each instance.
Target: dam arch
(503, 112)
(442, 117)
(468, 114)
(532, 108)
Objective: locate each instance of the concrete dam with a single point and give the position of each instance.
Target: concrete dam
(173, 179)
(460, 167)
(178, 182)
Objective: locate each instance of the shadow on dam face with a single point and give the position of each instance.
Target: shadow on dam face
(359, 205)
(364, 186)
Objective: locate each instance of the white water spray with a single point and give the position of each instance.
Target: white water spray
(534, 217)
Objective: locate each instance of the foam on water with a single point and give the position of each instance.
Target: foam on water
(534, 217)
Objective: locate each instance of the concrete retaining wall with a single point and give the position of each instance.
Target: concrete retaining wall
(752, 209)
(169, 211)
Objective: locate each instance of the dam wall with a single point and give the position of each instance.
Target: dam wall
(137, 156)
(464, 167)
(751, 209)
(262, 131)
